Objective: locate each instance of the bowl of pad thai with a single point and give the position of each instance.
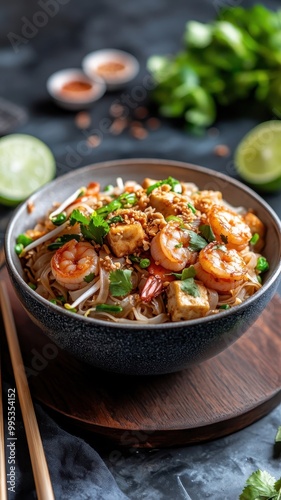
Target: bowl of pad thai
(144, 266)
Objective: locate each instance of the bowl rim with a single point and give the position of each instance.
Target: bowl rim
(9, 245)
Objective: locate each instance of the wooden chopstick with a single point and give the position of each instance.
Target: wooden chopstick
(41, 474)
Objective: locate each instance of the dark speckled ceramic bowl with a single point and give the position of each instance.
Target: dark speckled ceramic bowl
(143, 349)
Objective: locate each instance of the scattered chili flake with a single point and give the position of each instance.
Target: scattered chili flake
(153, 123)
(222, 150)
(139, 132)
(141, 112)
(83, 119)
(94, 141)
(118, 125)
(116, 110)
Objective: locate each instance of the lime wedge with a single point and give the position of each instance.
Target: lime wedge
(26, 164)
(258, 156)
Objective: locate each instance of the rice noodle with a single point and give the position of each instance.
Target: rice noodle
(96, 270)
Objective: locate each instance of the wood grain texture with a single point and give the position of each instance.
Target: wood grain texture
(207, 401)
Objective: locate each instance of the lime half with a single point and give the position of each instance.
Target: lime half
(258, 156)
(26, 164)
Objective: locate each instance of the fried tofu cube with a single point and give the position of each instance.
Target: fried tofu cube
(125, 239)
(163, 201)
(182, 306)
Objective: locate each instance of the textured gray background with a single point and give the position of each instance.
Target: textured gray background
(217, 470)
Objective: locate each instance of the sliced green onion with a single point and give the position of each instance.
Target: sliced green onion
(144, 263)
(32, 285)
(59, 242)
(109, 187)
(192, 208)
(59, 219)
(109, 308)
(53, 301)
(255, 238)
(116, 218)
(24, 240)
(19, 248)
(224, 306)
(174, 183)
(173, 217)
(262, 265)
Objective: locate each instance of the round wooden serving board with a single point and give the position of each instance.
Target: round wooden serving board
(207, 401)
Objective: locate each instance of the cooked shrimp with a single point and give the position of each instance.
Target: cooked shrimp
(229, 227)
(170, 248)
(220, 268)
(256, 227)
(72, 262)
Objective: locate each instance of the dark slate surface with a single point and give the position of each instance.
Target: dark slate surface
(69, 30)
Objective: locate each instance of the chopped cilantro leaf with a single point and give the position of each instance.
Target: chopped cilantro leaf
(89, 278)
(174, 183)
(93, 228)
(179, 245)
(207, 232)
(188, 272)
(189, 286)
(278, 435)
(224, 239)
(96, 230)
(120, 282)
(196, 242)
(77, 216)
(260, 485)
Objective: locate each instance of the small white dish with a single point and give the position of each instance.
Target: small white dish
(72, 89)
(116, 67)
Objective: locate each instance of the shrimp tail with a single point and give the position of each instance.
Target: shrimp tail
(152, 288)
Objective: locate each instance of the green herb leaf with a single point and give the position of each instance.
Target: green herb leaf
(77, 216)
(96, 230)
(120, 282)
(259, 485)
(278, 435)
(89, 277)
(224, 306)
(196, 242)
(232, 58)
(189, 287)
(207, 232)
(187, 272)
(224, 239)
(174, 183)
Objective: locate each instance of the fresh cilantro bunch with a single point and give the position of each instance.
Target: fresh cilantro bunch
(235, 57)
(261, 485)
